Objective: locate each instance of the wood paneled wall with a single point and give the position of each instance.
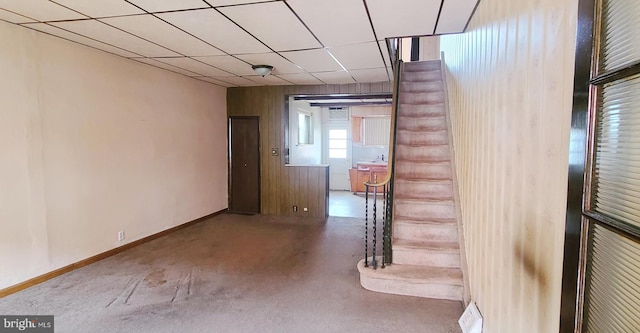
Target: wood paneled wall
(510, 80)
(283, 186)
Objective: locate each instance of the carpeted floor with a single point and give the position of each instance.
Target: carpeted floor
(234, 273)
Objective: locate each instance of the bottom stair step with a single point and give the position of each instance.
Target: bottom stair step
(409, 280)
(438, 254)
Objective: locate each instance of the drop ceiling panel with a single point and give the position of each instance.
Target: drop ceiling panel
(454, 16)
(194, 66)
(335, 22)
(417, 17)
(237, 81)
(155, 30)
(300, 78)
(214, 81)
(385, 52)
(101, 8)
(229, 64)
(216, 3)
(191, 38)
(268, 80)
(166, 5)
(274, 24)
(370, 75)
(358, 56)
(162, 65)
(40, 10)
(317, 60)
(334, 77)
(14, 18)
(280, 65)
(110, 35)
(43, 27)
(211, 26)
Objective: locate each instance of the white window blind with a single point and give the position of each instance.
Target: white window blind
(621, 23)
(613, 278)
(377, 131)
(617, 160)
(338, 113)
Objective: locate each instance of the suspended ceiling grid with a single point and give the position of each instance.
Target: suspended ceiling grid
(307, 41)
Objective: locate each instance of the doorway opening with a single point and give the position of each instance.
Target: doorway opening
(350, 134)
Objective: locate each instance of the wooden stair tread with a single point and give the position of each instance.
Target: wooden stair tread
(415, 274)
(443, 247)
(431, 221)
(447, 202)
(417, 145)
(423, 181)
(420, 116)
(442, 163)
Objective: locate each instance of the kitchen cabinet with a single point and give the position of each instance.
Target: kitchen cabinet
(366, 172)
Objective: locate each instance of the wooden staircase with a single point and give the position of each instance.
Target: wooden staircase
(426, 251)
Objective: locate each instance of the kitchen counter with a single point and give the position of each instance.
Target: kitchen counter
(364, 165)
(366, 172)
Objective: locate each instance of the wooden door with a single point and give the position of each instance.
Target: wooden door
(244, 164)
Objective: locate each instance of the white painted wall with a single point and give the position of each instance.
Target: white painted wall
(429, 48)
(90, 144)
(510, 80)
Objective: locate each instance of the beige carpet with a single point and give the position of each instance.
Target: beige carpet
(234, 273)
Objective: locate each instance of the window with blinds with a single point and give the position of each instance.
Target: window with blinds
(619, 38)
(617, 157)
(376, 131)
(612, 209)
(614, 276)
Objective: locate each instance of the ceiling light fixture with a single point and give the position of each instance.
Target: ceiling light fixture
(262, 70)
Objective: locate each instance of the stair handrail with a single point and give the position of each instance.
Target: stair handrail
(397, 64)
(387, 183)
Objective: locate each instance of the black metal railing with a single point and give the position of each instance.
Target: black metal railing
(385, 187)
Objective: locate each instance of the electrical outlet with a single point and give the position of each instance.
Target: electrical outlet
(305, 209)
(295, 208)
(121, 235)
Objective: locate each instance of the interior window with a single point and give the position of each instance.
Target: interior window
(338, 143)
(305, 130)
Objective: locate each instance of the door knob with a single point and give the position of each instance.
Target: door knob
(245, 165)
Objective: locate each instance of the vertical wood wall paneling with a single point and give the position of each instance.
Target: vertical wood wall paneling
(283, 187)
(510, 89)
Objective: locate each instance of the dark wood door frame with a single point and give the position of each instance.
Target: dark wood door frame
(230, 161)
(569, 316)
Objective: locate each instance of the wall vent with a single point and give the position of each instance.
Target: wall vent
(338, 113)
